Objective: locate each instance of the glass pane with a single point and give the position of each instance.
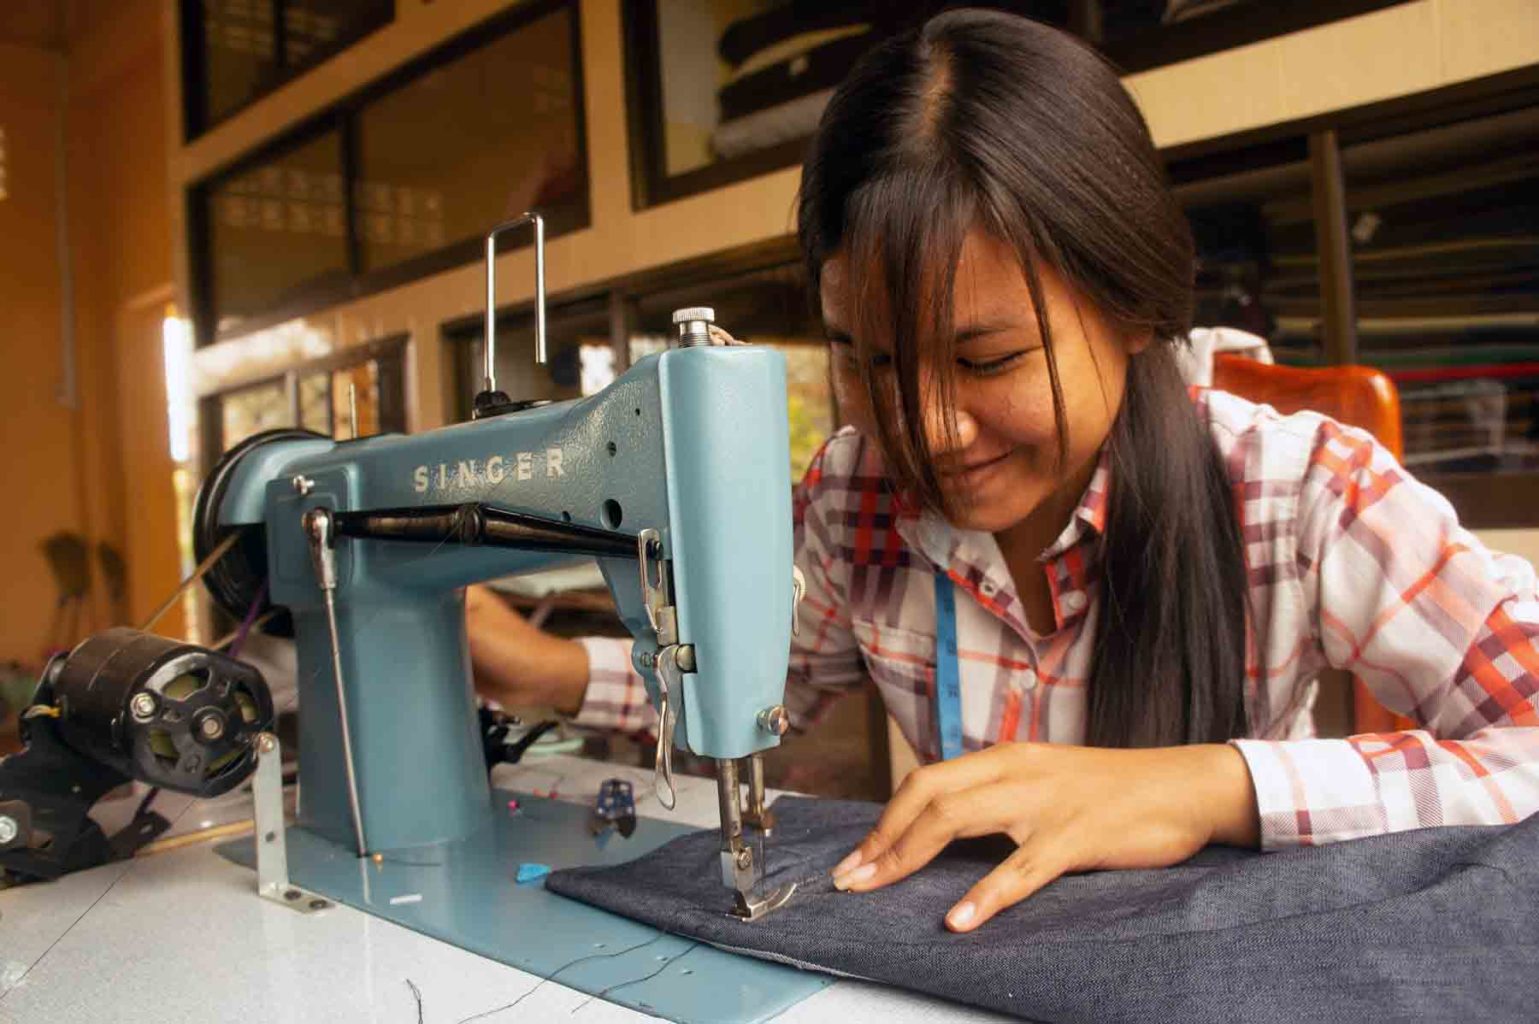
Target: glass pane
(1445, 241)
(739, 77)
(240, 57)
(315, 402)
(246, 53)
(483, 138)
(1257, 268)
(276, 228)
(313, 29)
(252, 410)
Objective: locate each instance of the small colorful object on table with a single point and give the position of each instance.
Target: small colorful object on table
(614, 809)
(529, 873)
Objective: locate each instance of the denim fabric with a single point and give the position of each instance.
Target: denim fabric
(1432, 925)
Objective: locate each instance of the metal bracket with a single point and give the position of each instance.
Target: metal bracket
(656, 588)
(272, 858)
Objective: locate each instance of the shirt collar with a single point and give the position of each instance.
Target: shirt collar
(1089, 518)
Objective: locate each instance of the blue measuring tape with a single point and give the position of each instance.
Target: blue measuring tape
(948, 681)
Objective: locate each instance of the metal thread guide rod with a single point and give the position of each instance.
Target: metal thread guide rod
(321, 532)
(491, 401)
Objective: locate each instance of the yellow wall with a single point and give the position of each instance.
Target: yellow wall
(37, 455)
(97, 466)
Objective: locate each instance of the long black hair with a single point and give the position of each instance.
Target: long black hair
(986, 119)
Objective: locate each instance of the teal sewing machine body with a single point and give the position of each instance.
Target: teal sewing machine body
(690, 443)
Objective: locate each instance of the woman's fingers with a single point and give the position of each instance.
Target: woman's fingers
(919, 789)
(952, 815)
(1028, 869)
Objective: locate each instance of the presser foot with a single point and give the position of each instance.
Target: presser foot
(748, 909)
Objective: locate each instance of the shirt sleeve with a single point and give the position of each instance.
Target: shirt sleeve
(1440, 629)
(824, 661)
(616, 697)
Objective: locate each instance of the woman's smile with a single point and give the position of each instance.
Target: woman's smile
(974, 473)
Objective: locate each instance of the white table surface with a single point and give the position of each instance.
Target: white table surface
(181, 936)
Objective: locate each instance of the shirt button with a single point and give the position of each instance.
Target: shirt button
(1026, 679)
(1073, 602)
(987, 588)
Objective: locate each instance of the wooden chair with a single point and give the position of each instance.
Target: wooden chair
(1355, 395)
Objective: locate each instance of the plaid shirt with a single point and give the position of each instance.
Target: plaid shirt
(1351, 562)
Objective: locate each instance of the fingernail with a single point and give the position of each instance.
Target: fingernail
(847, 864)
(962, 915)
(855, 877)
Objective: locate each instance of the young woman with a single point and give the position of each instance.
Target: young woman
(1139, 584)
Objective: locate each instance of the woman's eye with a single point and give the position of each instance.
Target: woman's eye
(984, 367)
(845, 353)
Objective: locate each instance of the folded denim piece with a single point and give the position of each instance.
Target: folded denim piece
(1432, 925)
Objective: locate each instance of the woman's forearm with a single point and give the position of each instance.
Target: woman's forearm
(516, 663)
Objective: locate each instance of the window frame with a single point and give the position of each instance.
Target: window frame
(211, 444)
(342, 117)
(1484, 501)
(651, 185)
(196, 121)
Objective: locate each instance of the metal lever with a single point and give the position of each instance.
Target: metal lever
(320, 530)
(489, 382)
(669, 683)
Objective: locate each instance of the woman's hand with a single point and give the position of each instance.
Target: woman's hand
(1067, 808)
(516, 663)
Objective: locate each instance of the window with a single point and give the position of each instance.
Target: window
(1444, 229)
(319, 395)
(400, 181)
(275, 231)
(235, 51)
(1253, 227)
(721, 90)
(472, 142)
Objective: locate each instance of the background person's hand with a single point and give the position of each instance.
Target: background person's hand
(1067, 808)
(515, 663)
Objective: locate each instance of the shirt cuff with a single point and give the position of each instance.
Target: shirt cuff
(616, 697)
(1312, 792)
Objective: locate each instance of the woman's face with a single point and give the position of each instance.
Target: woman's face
(1003, 463)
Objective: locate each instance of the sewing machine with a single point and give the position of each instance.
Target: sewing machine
(675, 478)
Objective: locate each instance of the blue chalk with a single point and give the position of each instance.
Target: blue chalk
(531, 873)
